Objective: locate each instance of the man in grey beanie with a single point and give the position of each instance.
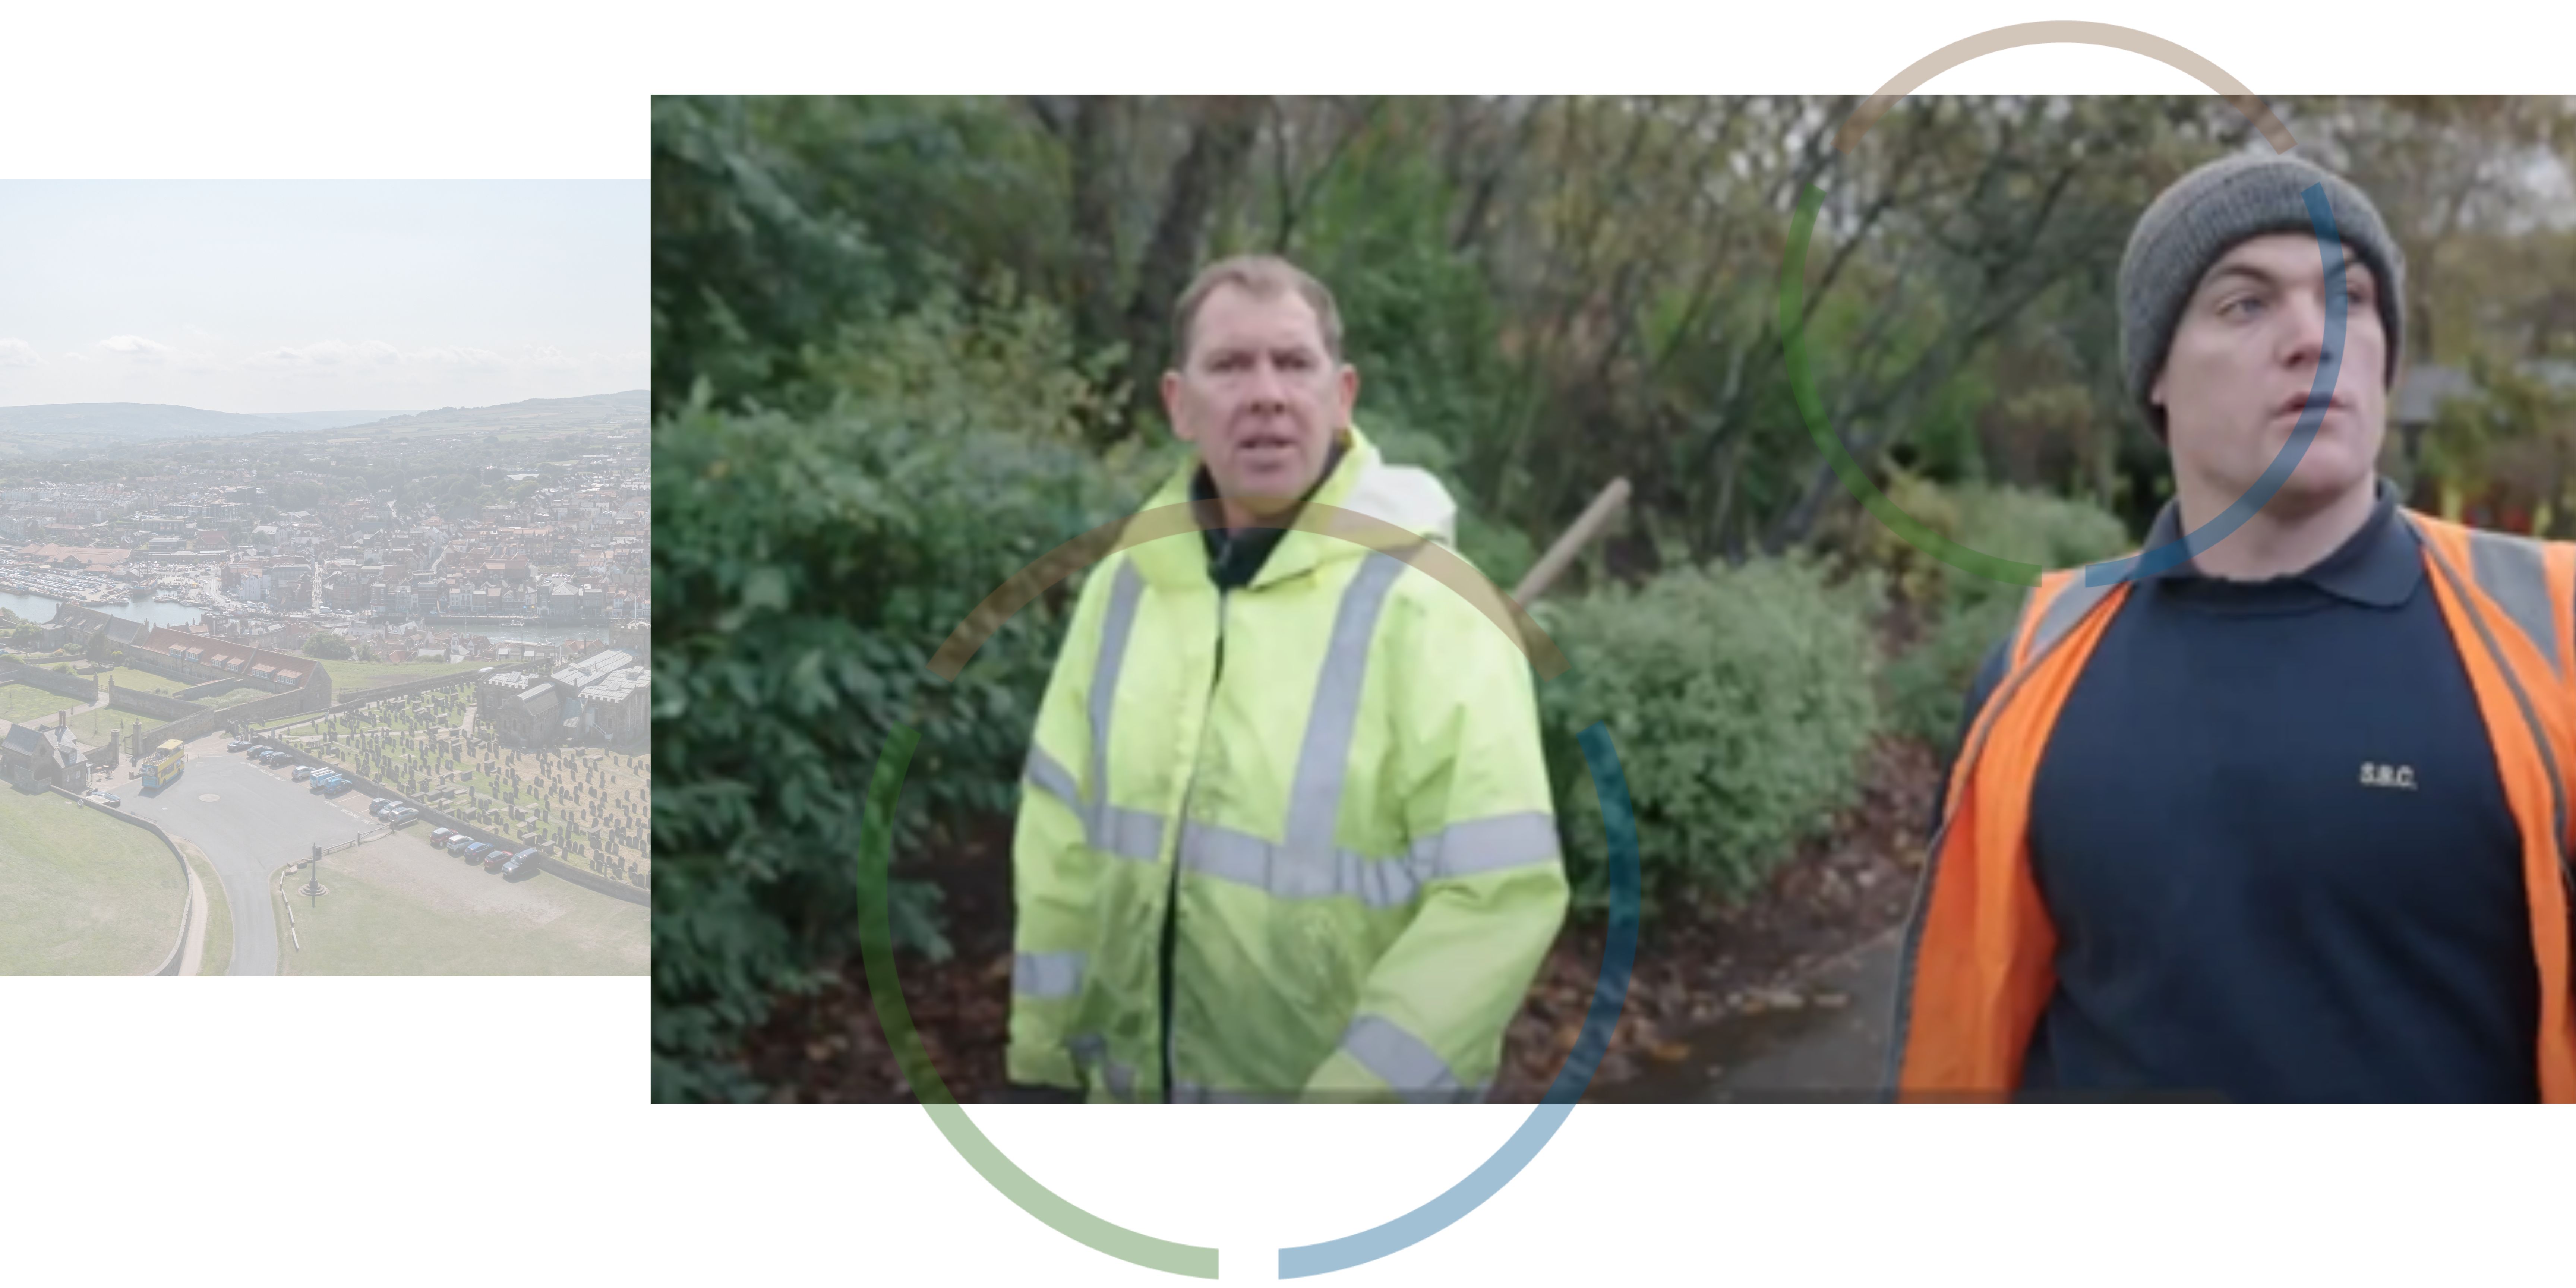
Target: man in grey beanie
(2285, 820)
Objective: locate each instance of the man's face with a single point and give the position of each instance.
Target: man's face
(1260, 396)
(2245, 357)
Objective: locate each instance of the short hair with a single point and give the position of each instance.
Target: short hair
(1264, 276)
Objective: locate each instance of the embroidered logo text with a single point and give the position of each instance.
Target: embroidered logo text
(2401, 777)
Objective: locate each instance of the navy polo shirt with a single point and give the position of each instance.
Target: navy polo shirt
(2270, 830)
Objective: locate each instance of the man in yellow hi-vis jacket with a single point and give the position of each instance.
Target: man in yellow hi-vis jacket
(1286, 829)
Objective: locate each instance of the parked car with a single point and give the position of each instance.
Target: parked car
(108, 799)
(457, 841)
(526, 858)
(337, 786)
(474, 851)
(301, 773)
(237, 744)
(441, 836)
(380, 805)
(499, 855)
(400, 815)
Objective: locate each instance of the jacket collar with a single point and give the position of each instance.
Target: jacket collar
(1175, 562)
(2378, 565)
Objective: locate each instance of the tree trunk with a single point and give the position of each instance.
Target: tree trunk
(1221, 138)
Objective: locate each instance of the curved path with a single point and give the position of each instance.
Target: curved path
(259, 821)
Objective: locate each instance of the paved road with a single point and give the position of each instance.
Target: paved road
(259, 822)
(1812, 1053)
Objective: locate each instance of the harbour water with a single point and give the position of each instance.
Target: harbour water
(157, 612)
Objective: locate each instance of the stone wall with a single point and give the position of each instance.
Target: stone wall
(82, 687)
(159, 706)
(209, 719)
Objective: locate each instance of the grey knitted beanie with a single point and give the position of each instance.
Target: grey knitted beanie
(2204, 213)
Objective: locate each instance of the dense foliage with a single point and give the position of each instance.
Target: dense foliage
(1739, 700)
(805, 569)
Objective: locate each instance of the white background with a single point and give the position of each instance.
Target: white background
(492, 1132)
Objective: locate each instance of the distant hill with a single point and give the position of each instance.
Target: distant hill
(329, 419)
(135, 422)
(532, 413)
(76, 429)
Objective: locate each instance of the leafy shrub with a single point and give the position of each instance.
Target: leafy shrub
(1927, 687)
(804, 571)
(1739, 700)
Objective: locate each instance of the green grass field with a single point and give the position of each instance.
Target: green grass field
(380, 919)
(80, 893)
(127, 677)
(27, 704)
(349, 677)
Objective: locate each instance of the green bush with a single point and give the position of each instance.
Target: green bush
(1967, 614)
(1739, 699)
(804, 571)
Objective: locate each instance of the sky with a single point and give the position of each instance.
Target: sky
(322, 295)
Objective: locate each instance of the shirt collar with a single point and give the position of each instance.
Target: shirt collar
(2377, 565)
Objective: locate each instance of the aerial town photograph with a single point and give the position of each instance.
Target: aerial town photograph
(292, 690)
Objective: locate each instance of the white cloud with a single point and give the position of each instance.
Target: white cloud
(135, 348)
(18, 353)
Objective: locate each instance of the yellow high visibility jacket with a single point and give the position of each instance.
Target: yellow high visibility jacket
(1332, 776)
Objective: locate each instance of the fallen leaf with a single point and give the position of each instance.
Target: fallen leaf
(1669, 1052)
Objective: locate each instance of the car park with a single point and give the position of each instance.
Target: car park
(526, 858)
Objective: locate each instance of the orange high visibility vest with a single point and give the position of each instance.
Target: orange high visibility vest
(1980, 950)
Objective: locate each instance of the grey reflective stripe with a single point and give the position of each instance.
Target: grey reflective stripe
(1306, 864)
(1315, 799)
(2509, 569)
(1048, 774)
(1046, 974)
(2063, 613)
(1123, 596)
(1090, 1050)
(1486, 845)
(1249, 860)
(1128, 833)
(1408, 1064)
(2530, 717)
(1460, 850)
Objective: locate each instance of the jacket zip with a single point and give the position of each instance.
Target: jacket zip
(1172, 887)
